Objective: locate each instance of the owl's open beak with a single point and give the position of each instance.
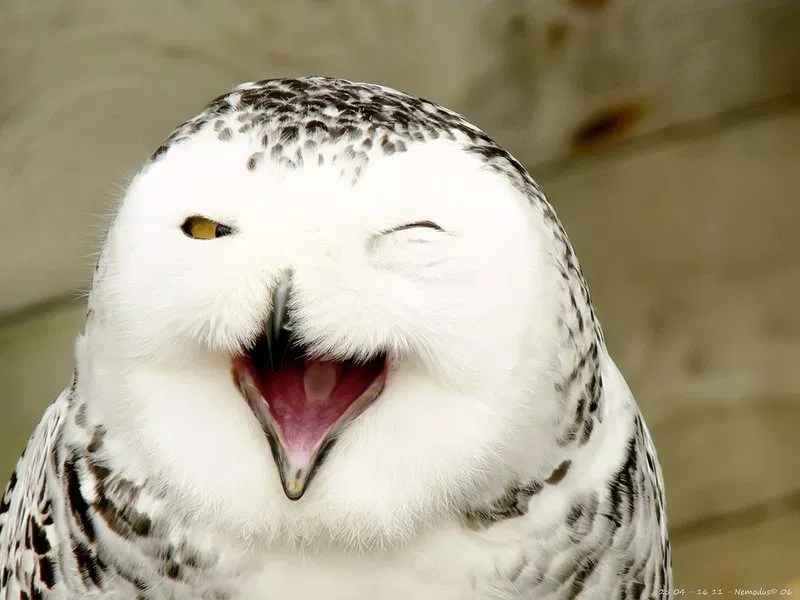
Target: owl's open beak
(302, 403)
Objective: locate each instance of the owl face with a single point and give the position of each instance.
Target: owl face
(307, 351)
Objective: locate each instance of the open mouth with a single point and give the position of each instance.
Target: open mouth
(302, 402)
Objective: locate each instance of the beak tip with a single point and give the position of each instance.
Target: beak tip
(295, 487)
(292, 495)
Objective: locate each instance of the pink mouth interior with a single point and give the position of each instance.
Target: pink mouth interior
(307, 397)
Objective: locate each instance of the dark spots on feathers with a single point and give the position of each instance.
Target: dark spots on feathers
(387, 146)
(637, 589)
(77, 503)
(289, 134)
(172, 569)
(47, 571)
(586, 433)
(621, 488)
(314, 126)
(574, 514)
(651, 463)
(160, 151)
(569, 436)
(47, 510)
(593, 392)
(90, 567)
(572, 376)
(125, 521)
(281, 95)
(97, 439)
(254, 160)
(582, 513)
(80, 416)
(334, 133)
(582, 385)
(582, 574)
(122, 517)
(513, 503)
(191, 558)
(559, 473)
(38, 537)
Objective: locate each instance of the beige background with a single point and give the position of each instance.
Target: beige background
(666, 133)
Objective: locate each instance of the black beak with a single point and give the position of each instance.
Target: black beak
(278, 331)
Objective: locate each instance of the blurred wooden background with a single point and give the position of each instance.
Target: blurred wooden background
(666, 133)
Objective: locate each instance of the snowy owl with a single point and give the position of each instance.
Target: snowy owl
(338, 345)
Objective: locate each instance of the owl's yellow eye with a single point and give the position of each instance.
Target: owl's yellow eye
(201, 228)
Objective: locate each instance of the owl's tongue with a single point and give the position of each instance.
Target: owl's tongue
(306, 398)
(304, 404)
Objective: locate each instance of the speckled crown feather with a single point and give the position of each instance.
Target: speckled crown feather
(297, 119)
